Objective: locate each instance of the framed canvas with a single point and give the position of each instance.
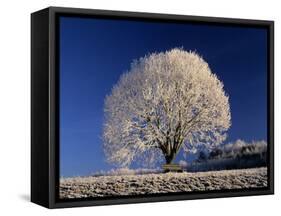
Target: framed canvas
(139, 107)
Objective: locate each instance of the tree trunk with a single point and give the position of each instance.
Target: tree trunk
(169, 152)
(170, 157)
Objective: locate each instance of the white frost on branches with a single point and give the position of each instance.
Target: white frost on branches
(166, 101)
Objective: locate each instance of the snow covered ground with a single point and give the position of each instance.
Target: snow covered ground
(101, 186)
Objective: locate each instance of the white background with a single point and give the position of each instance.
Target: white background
(15, 107)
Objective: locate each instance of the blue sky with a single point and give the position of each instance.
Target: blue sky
(95, 52)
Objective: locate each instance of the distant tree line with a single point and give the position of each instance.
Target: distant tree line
(237, 155)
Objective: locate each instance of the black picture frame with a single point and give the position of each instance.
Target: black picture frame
(45, 106)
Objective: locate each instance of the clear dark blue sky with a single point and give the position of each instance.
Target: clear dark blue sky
(95, 52)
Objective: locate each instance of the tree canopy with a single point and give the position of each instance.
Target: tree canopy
(166, 101)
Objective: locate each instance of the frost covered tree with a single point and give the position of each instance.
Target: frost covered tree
(166, 101)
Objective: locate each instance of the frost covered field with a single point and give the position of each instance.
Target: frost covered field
(101, 186)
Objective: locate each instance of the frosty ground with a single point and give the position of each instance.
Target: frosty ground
(101, 186)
